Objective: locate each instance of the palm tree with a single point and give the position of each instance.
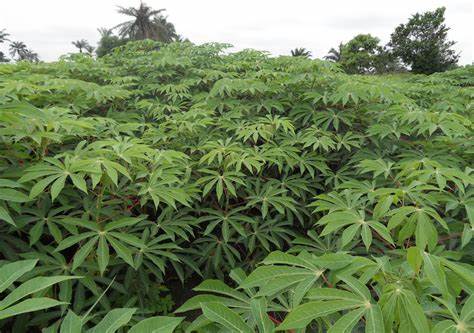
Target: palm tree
(89, 48)
(181, 39)
(3, 36)
(81, 44)
(105, 32)
(335, 55)
(31, 56)
(165, 29)
(19, 50)
(146, 23)
(300, 52)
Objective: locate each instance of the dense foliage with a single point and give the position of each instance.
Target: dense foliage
(422, 43)
(296, 197)
(363, 54)
(421, 46)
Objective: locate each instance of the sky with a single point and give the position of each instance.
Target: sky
(49, 26)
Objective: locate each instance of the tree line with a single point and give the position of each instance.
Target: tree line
(421, 45)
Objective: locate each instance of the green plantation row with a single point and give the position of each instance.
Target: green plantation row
(182, 188)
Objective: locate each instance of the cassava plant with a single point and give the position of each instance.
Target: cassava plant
(291, 196)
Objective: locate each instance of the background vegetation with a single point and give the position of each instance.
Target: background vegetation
(420, 46)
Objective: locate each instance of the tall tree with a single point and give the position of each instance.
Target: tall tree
(423, 44)
(18, 50)
(300, 52)
(146, 23)
(108, 41)
(21, 52)
(335, 55)
(165, 30)
(82, 44)
(3, 36)
(358, 56)
(89, 48)
(3, 39)
(363, 54)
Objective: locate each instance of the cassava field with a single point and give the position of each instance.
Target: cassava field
(172, 188)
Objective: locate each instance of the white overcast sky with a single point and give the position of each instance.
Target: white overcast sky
(49, 26)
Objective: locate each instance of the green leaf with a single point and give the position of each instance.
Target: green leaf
(102, 254)
(445, 326)
(258, 306)
(346, 323)
(221, 314)
(29, 305)
(72, 323)
(279, 275)
(11, 272)
(415, 312)
(159, 324)
(83, 252)
(305, 313)
(435, 273)
(79, 182)
(12, 195)
(123, 222)
(374, 319)
(349, 233)
(366, 236)
(220, 287)
(357, 286)
(57, 187)
(195, 302)
(5, 216)
(426, 234)
(414, 258)
(122, 251)
(467, 312)
(39, 187)
(114, 320)
(32, 286)
(70, 241)
(464, 271)
(382, 207)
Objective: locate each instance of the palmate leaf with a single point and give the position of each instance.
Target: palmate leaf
(221, 183)
(104, 239)
(328, 301)
(270, 196)
(338, 220)
(463, 322)
(55, 173)
(400, 304)
(229, 221)
(377, 167)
